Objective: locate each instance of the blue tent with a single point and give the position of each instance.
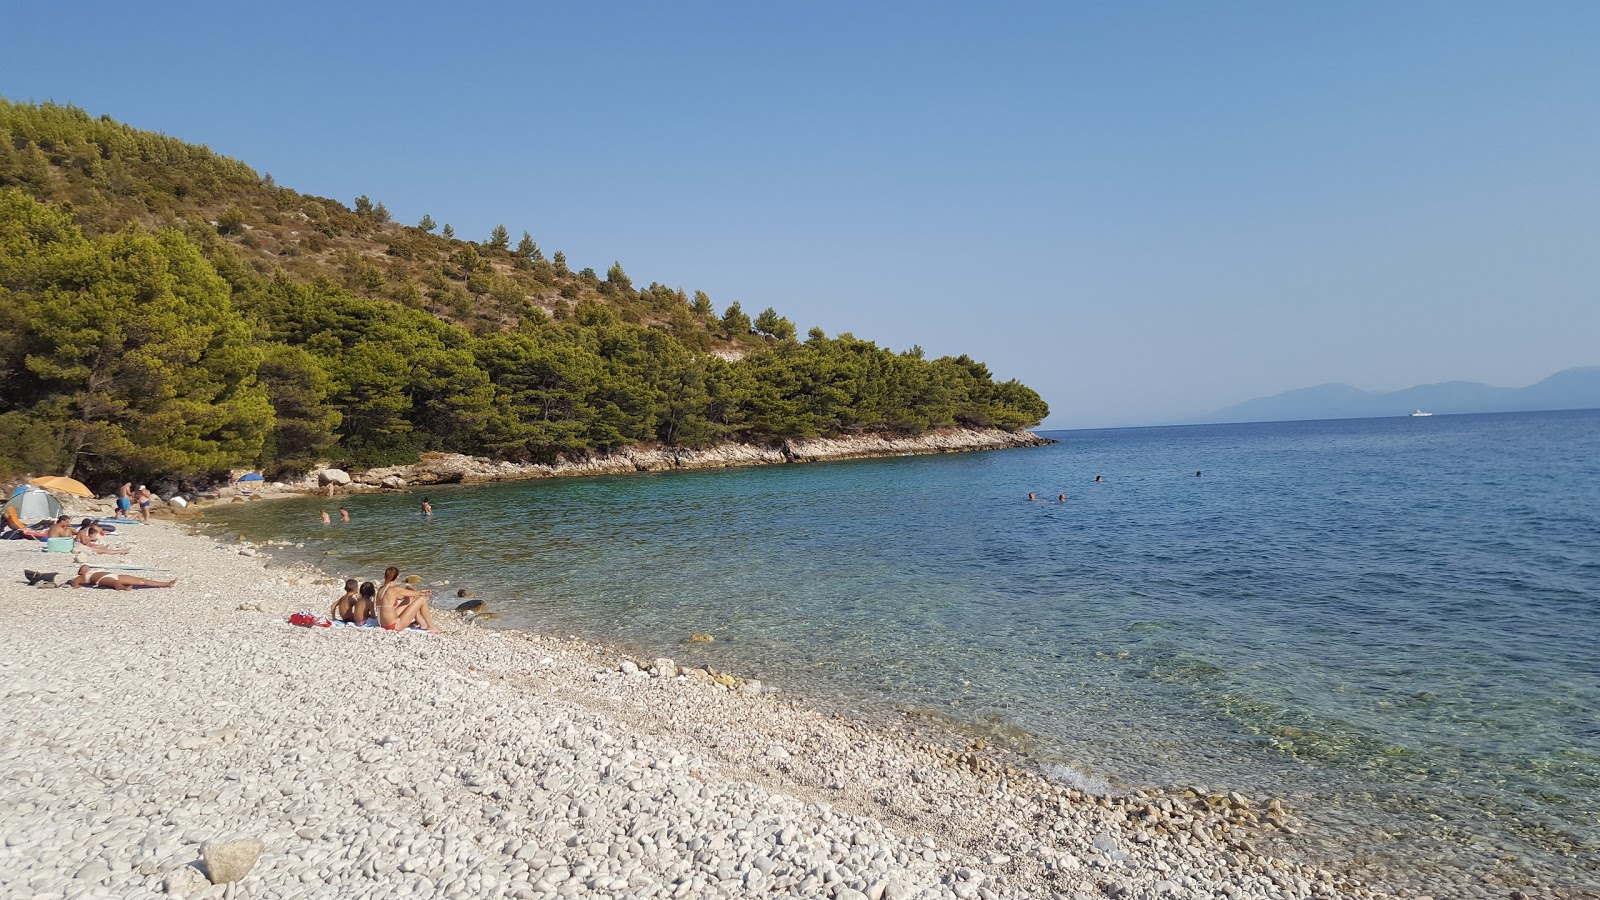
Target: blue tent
(253, 476)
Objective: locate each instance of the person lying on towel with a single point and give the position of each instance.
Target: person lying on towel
(112, 582)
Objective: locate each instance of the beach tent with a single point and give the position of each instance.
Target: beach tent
(30, 504)
(252, 476)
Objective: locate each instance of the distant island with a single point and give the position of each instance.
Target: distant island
(1577, 388)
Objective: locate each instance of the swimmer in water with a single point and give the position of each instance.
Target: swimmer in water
(326, 519)
(1061, 499)
(1098, 479)
(344, 514)
(1030, 496)
(1197, 474)
(427, 508)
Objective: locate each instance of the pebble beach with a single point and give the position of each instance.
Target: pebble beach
(136, 727)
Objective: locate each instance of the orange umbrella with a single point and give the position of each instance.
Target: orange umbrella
(63, 484)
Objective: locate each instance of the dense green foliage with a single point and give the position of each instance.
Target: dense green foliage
(140, 337)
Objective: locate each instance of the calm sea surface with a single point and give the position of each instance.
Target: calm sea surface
(1392, 624)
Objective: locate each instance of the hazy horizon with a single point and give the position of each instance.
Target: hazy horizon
(1146, 212)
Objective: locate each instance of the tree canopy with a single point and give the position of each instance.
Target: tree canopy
(144, 329)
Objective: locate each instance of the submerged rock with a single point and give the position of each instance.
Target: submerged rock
(700, 637)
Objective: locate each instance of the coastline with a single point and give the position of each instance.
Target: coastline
(455, 468)
(495, 763)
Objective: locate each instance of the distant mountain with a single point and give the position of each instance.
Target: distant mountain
(1568, 389)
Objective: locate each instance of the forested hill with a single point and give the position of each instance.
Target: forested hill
(167, 310)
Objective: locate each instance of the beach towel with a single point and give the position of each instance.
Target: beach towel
(58, 545)
(372, 625)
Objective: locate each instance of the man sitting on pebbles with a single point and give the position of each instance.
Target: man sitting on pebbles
(112, 582)
(400, 606)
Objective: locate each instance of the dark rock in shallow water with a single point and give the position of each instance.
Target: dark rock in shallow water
(463, 592)
(470, 604)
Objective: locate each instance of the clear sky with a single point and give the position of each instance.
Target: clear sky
(1143, 210)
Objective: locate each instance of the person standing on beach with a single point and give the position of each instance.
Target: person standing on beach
(125, 500)
(144, 504)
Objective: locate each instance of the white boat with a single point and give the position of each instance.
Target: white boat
(1420, 413)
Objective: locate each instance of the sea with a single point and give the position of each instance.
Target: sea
(1392, 625)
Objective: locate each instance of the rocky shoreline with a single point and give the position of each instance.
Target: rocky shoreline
(454, 468)
(137, 726)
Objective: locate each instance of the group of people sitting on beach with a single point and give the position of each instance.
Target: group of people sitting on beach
(88, 535)
(393, 605)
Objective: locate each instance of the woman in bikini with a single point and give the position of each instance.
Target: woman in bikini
(400, 606)
(89, 538)
(112, 582)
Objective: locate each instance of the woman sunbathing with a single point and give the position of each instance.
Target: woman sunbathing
(400, 606)
(112, 582)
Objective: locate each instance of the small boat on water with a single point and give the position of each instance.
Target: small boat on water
(1420, 413)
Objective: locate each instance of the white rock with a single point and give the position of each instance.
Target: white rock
(184, 881)
(333, 476)
(230, 859)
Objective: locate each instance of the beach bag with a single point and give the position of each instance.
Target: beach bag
(307, 620)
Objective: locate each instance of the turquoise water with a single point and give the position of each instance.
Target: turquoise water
(1390, 623)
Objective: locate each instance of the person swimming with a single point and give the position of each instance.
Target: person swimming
(1197, 474)
(344, 514)
(1099, 479)
(326, 519)
(1030, 496)
(1061, 499)
(427, 508)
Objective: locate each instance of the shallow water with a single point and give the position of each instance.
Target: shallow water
(1390, 623)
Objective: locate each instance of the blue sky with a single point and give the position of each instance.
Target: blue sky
(1144, 210)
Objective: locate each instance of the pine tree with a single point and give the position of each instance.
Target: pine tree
(702, 304)
(363, 205)
(427, 223)
(381, 213)
(615, 276)
(527, 249)
(734, 320)
(773, 325)
(560, 260)
(500, 238)
(448, 231)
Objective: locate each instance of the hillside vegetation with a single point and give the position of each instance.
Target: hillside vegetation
(167, 310)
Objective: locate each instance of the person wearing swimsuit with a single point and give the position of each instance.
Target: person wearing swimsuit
(112, 582)
(89, 538)
(401, 606)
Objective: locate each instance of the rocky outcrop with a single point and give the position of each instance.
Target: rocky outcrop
(452, 468)
(333, 476)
